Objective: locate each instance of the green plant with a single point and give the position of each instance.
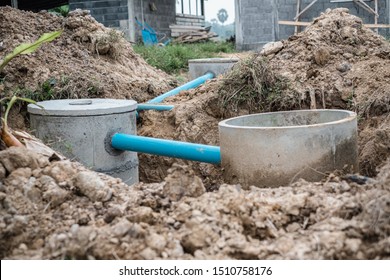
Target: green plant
(174, 58)
(61, 10)
(26, 48)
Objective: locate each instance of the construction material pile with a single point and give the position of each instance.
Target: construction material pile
(191, 34)
(87, 60)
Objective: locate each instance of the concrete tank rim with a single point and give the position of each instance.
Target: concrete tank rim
(351, 116)
(213, 60)
(100, 106)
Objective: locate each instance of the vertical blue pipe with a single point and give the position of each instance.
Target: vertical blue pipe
(169, 148)
(189, 85)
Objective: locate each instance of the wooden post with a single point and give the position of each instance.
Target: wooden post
(297, 29)
(305, 9)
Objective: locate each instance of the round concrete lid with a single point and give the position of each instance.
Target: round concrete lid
(82, 107)
(214, 60)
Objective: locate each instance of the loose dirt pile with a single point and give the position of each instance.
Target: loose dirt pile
(60, 210)
(87, 60)
(335, 63)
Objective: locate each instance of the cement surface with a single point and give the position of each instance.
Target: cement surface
(83, 132)
(82, 107)
(199, 67)
(276, 149)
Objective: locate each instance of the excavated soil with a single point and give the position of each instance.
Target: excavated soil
(87, 60)
(58, 209)
(335, 63)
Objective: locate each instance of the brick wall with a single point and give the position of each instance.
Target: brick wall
(190, 20)
(112, 13)
(256, 20)
(120, 14)
(256, 23)
(287, 11)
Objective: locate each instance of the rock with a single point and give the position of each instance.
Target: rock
(182, 181)
(343, 67)
(176, 249)
(195, 239)
(295, 204)
(142, 214)
(321, 56)
(90, 185)
(16, 157)
(2, 196)
(293, 227)
(137, 231)
(52, 193)
(83, 219)
(271, 48)
(148, 254)
(19, 177)
(121, 228)
(61, 171)
(83, 235)
(3, 172)
(156, 241)
(111, 214)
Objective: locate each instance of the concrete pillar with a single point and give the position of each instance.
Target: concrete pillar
(131, 34)
(256, 23)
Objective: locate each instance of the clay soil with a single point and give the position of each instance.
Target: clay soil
(87, 60)
(58, 209)
(335, 63)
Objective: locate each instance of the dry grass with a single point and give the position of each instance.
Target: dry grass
(251, 84)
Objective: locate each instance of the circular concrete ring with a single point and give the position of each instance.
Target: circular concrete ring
(275, 149)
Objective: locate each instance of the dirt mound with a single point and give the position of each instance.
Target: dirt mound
(335, 63)
(87, 60)
(60, 210)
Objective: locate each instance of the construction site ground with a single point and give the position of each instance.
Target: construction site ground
(53, 208)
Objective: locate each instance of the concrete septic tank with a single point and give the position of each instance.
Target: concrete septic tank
(199, 67)
(81, 130)
(276, 149)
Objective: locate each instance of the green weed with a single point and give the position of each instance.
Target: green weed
(62, 10)
(174, 58)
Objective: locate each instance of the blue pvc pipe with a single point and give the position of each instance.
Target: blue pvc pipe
(189, 85)
(157, 107)
(169, 148)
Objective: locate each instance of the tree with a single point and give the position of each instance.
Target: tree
(222, 15)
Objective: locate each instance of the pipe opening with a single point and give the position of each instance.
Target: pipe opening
(290, 119)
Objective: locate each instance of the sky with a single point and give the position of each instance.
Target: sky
(213, 6)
